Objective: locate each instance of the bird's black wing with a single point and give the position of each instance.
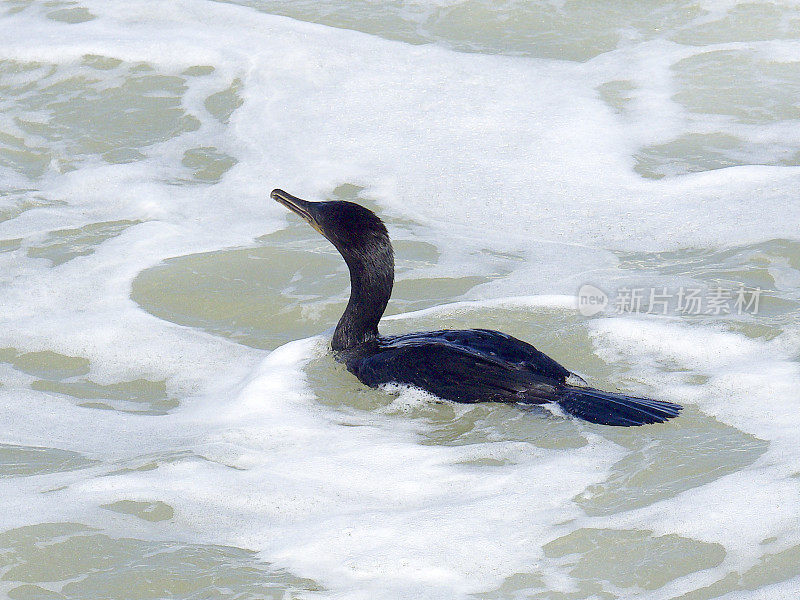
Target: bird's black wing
(474, 365)
(494, 346)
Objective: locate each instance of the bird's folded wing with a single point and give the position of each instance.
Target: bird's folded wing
(454, 373)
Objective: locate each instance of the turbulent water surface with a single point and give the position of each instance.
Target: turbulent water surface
(172, 425)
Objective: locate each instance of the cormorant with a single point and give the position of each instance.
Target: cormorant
(471, 365)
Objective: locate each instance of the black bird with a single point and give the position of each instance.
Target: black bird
(470, 365)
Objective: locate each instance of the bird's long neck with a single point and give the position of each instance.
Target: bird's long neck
(371, 280)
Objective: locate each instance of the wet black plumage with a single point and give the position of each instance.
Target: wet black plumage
(473, 365)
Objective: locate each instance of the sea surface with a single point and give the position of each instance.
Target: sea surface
(571, 172)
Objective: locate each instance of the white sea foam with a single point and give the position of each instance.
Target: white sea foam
(511, 154)
(420, 145)
(752, 386)
(357, 508)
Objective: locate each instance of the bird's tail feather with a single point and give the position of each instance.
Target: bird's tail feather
(611, 408)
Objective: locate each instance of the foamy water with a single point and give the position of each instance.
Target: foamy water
(172, 423)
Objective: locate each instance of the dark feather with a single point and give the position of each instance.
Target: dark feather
(478, 365)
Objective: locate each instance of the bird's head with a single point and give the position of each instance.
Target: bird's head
(355, 231)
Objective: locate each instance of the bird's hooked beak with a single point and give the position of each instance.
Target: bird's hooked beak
(304, 208)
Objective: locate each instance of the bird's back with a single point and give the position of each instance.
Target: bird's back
(468, 365)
